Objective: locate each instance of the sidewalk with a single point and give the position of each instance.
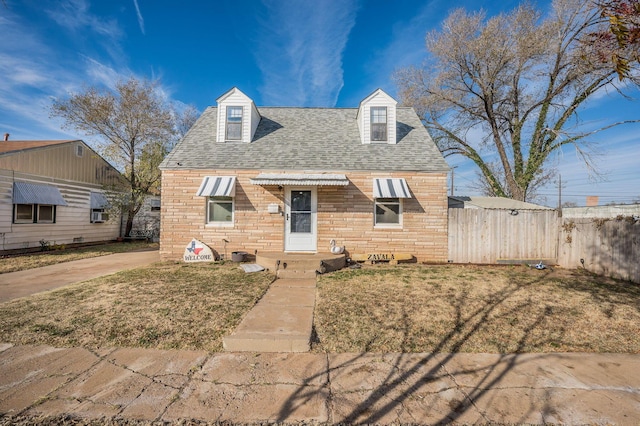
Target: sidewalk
(156, 385)
(31, 281)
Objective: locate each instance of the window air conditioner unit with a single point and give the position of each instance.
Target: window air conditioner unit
(99, 217)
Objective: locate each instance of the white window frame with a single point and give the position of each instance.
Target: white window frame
(228, 121)
(387, 201)
(36, 215)
(53, 213)
(15, 213)
(220, 223)
(374, 123)
(104, 216)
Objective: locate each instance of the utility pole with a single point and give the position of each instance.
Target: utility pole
(452, 172)
(559, 195)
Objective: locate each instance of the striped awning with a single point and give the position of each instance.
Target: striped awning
(31, 193)
(390, 188)
(99, 201)
(217, 186)
(302, 179)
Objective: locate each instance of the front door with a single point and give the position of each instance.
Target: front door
(301, 205)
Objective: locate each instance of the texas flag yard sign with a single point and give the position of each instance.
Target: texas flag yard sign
(197, 251)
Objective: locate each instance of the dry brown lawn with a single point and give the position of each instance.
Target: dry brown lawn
(450, 308)
(165, 306)
(21, 262)
(409, 308)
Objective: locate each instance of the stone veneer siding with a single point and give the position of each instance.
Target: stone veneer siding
(345, 214)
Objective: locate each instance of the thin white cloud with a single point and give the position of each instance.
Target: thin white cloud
(299, 51)
(74, 15)
(140, 18)
(35, 73)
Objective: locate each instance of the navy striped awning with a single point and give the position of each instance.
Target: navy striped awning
(99, 201)
(31, 193)
(217, 186)
(390, 188)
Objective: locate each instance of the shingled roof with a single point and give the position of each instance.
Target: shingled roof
(16, 146)
(311, 139)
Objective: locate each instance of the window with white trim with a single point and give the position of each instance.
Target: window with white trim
(34, 213)
(220, 210)
(388, 212)
(234, 123)
(378, 124)
(99, 216)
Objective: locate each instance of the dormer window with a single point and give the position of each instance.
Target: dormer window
(377, 119)
(238, 117)
(378, 124)
(234, 123)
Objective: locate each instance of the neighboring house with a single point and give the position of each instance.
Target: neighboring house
(492, 203)
(293, 179)
(52, 191)
(147, 222)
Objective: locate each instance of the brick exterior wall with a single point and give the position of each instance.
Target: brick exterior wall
(344, 214)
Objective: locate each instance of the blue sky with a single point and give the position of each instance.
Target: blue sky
(279, 52)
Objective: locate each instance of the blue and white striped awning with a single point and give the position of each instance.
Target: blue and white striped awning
(99, 201)
(390, 188)
(31, 193)
(217, 186)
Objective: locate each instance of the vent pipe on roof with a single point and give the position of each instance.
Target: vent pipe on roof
(6, 137)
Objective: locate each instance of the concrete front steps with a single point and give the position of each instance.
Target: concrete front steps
(282, 320)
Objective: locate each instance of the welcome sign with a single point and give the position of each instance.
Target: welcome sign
(197, 251)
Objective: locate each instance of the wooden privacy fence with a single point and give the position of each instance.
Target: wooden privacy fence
(607, 246)
(484, 236)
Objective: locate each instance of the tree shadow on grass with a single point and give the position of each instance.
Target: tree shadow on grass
(407, 374)
(602, 290)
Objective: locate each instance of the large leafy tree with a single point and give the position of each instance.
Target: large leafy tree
(504, 92)
(135, 126)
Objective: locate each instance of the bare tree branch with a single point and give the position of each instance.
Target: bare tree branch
(518, 81)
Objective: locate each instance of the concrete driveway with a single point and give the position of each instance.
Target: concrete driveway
(31, 281)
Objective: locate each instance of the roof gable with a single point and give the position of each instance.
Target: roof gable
(378, 99)
(248, 121)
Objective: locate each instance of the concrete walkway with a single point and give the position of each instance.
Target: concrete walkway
(144, 384)
(282, 320)
(31, 281)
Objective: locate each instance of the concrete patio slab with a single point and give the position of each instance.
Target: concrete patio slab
(35, 371)
(39, 383)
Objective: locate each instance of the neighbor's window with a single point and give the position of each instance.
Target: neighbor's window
(45, 214)
(378, 123)
(23, 213)
(99, 216)
(220, 210)
(388, 212)
(34, 213)
(234, 123)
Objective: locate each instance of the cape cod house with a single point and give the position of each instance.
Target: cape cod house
(280, 179)
(51, 192)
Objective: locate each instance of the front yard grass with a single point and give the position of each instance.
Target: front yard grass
(165, 306)
(451, 308)
(21, 262)
(379, 308)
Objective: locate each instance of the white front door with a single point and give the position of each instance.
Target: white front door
(301, 205)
